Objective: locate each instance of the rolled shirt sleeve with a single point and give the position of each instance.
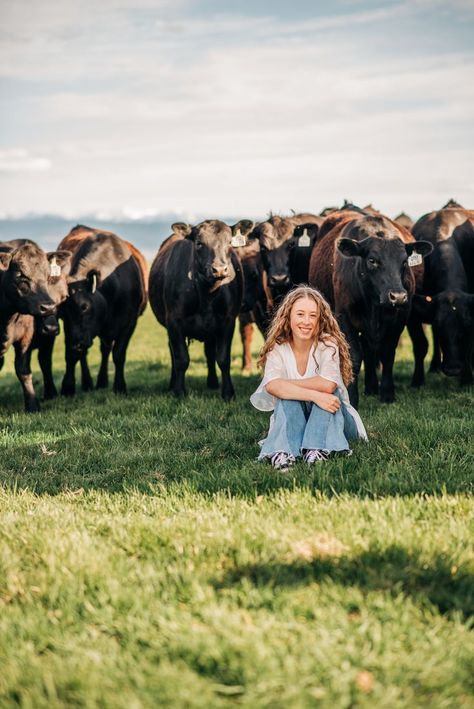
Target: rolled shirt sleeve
(274, 369)
(329, 367)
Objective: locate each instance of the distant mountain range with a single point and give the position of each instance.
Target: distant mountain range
(48, 230)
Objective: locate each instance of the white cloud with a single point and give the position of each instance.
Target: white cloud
(20, 160)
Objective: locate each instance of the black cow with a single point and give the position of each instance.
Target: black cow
(106, 295)
(32, 286)
(255, 303)
(361, 266)
(446, 299)
(196, 288)
(283, 263)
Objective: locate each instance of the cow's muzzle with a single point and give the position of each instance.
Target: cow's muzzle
(279, 280)
(396, 298)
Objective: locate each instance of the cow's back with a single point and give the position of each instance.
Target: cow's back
(80, 233)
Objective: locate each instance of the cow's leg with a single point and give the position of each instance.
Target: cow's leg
(23, 372)
(246, 335)
(103, 376)
(119, 354)
(370, 368)
(45, 359)
(210, 352)
(420, 349)
(387, 357)
(180, 355)
(173, 372)
(355, 347)
(68, 386)
(86, 380)
(224, 342)
(435, 365)
(2, 362)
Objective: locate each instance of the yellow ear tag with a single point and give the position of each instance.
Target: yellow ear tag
(54, 269)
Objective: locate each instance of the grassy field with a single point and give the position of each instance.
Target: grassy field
(147, 559)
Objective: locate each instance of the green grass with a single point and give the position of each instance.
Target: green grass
(147, 559)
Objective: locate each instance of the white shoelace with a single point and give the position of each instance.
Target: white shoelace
(282, 460)
(315, 455)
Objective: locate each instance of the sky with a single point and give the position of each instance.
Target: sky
(136, 108)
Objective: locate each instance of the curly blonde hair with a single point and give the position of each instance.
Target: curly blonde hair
(327, 328)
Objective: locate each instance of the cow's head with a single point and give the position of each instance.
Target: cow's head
(213, 251)
(276, 237)
(84, 311)
(383, 266)
(34, 282)
(452, 314)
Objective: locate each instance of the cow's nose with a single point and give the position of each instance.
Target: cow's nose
(398, 297)
(47, 309)
(279, 279)
(220, 271)
(50, 329)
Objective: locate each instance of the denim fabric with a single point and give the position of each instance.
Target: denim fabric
(299, 425)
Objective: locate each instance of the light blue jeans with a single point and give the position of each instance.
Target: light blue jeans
(301, 425)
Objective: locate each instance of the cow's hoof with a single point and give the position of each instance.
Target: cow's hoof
(179, 393)
(32, 407)
(212, 383)
(49, 394)
(122, 389)
(387, 398)
(101, 384)
(68, 390)
(371, 391)
(228, 396)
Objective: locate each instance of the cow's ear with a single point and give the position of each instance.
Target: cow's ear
(311, 230)
(349, 247)
(181, 229)
(423, 306)
(245, 226)
(424, 248)
(5, 258)
(59, 260)
(94, 280)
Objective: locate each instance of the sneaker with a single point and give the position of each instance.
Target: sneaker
(282, 461)
(315, 455)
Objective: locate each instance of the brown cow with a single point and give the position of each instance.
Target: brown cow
(32, 286)
(361, 266)
(107, 293)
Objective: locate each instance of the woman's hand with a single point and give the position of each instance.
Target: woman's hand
(328, 402)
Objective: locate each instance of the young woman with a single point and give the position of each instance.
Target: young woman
(307, 367)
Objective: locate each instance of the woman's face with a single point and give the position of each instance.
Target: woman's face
(303, 319)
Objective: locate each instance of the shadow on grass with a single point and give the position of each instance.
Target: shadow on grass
(393, 570)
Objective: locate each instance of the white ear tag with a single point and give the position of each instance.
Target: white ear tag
(238, 239)
(54, 269)
(94, 282)
(304, 239)
(415, 259)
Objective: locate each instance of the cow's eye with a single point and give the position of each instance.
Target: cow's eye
(405, 264)
(372, 262)
(23, 286)
(198, 244)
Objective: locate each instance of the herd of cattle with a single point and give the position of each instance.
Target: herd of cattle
(378, 274)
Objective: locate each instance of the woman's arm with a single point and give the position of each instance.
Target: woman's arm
(317, 383)
(287, 389)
